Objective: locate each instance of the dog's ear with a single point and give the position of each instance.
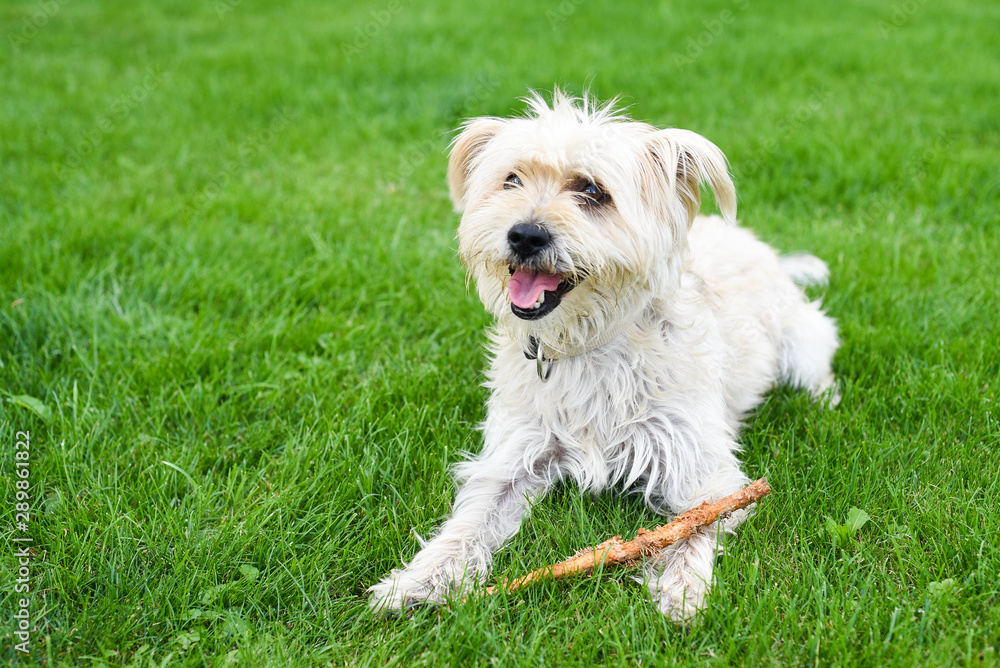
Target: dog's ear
(682, 161)
(475, 135)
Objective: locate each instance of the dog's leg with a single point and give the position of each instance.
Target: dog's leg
(496, 494)
(679, 576)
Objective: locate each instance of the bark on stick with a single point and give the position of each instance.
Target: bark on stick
(615, 552)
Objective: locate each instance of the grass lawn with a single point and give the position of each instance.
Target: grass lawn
(233, 322)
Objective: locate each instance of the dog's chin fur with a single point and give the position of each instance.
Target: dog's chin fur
(674, 328)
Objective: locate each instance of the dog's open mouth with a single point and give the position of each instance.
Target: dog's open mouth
(535, 294)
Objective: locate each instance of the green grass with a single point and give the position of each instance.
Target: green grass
(227, 273)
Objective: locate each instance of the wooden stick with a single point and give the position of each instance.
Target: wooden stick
(615, 552)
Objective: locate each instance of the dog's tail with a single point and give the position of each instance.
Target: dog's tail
(805, 269)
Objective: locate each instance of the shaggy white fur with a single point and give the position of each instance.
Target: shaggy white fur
(666, 328)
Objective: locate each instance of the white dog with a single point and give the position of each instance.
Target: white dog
(631, 336)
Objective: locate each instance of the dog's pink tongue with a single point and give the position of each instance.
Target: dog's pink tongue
(526, 287)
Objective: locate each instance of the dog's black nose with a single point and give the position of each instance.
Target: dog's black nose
(528, 238)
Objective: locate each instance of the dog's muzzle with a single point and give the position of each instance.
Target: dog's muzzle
(534, 291)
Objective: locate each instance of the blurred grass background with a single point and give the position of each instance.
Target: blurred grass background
(232, 319)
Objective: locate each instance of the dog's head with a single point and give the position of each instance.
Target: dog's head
(574, 216)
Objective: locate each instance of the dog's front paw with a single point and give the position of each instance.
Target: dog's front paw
(400, 591)
(678, 578)
(410, 587)
(679, 602)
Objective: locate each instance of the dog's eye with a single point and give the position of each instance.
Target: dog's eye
(513, 180)
(594, 193)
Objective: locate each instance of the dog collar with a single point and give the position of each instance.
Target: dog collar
(545, 355)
